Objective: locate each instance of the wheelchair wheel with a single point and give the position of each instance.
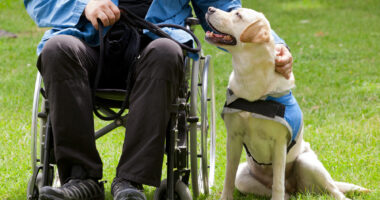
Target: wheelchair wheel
(181, 191)
(203, 105)
(35, 179)
(32, 192)
(39, 177)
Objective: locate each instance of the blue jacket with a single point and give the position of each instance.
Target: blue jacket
(65, 17)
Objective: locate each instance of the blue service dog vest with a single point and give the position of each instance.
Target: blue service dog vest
(283, 109)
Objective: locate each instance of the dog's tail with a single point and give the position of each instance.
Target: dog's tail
(348, 188)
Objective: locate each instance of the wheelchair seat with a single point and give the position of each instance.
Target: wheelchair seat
(111, 98)
(111, 94)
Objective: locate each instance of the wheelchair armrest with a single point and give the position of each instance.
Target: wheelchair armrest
(192, 21)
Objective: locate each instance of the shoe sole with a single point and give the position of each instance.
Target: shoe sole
(130, 194)
(51, 197)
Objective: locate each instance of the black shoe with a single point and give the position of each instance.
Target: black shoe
(122, 189)
(74, 189)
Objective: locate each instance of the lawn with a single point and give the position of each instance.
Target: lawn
(336, 50)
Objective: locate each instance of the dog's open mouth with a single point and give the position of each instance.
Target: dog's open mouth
(217, 37)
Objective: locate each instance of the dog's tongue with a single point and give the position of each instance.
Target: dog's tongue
(217, 35)
(212, 34)
(220, 38)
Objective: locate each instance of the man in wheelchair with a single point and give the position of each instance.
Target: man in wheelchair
(68, 60)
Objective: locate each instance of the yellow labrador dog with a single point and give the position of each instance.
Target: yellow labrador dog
(258, 116)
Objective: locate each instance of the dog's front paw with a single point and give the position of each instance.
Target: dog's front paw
(226, 197)
(286, 197)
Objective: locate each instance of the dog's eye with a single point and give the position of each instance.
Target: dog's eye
(238, 14)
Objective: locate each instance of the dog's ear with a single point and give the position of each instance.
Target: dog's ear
(257, 32)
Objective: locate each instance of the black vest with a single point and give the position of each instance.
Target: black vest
(138, 7)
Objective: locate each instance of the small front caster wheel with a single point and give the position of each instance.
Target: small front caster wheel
(181, 191)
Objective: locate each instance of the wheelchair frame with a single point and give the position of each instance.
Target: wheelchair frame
(191, 134)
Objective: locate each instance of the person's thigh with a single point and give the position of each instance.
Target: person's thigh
(161, 59)
(67, 57)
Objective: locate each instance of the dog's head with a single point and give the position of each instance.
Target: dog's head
(234, 28)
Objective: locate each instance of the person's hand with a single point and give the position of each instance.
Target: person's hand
(105, 10)
(283, 61)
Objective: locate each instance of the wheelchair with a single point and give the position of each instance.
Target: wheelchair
(190, 140)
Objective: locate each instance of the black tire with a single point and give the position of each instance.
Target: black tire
(32, 194)
(181, 191)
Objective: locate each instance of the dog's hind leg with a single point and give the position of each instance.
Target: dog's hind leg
(313, 177)
(348, 187)
(246, 183)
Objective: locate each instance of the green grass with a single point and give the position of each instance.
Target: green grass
(336, 49)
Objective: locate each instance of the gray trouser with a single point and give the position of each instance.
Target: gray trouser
(68, 66)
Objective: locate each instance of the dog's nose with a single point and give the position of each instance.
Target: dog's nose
(211, 10)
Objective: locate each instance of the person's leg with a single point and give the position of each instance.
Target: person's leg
(66, 63)
(157, 77)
